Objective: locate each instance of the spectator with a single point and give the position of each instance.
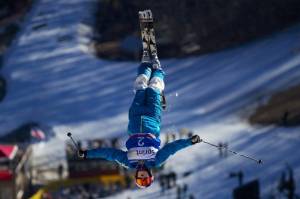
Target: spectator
(162, 182)
(185, 190)
(173, 177)
(60, 170)
(287, 186)
(183, 133)
(179, 192)
(115, 143)
(192, 196)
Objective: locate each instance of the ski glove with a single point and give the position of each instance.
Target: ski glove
(81, 154)
(195, 139)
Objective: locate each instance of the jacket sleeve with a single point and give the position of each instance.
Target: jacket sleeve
(110, 154)
(169, 149)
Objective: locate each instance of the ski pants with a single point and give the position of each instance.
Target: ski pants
(145, 110)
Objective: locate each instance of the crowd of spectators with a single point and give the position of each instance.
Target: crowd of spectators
(83, 191)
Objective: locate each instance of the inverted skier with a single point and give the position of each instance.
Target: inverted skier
(143, 144)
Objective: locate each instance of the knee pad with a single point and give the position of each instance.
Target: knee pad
(157, 84)
(141, 82)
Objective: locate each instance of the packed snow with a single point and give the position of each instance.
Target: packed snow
(53, 78)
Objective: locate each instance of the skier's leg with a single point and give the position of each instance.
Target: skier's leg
(137, 107)
(141, 83)
(143, 76)
(155, 61)
(153, 97)
(157, 80)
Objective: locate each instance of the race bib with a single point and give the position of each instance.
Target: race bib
(141, 153)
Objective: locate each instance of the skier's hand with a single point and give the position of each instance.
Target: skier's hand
(195, 139)
(81, 154)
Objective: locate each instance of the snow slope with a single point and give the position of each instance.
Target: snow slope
(54, 79)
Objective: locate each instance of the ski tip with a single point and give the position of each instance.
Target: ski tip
(69, 134)
(259, 161)
(146, 16)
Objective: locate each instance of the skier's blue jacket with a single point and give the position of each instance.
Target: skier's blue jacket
(143, 129)
(157, 157)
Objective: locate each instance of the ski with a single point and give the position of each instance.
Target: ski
(145, 18)
(149, 44)
(148, 37)
(152, 42)
(147, 30)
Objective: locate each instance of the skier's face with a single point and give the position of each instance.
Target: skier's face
(142, 174)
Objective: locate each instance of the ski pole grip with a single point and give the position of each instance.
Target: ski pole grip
(69, 134)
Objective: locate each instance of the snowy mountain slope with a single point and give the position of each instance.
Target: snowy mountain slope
(53, 79)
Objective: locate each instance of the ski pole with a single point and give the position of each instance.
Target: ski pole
(258, 161)
(74, 143)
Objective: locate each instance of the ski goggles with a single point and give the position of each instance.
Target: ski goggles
(144, 182)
